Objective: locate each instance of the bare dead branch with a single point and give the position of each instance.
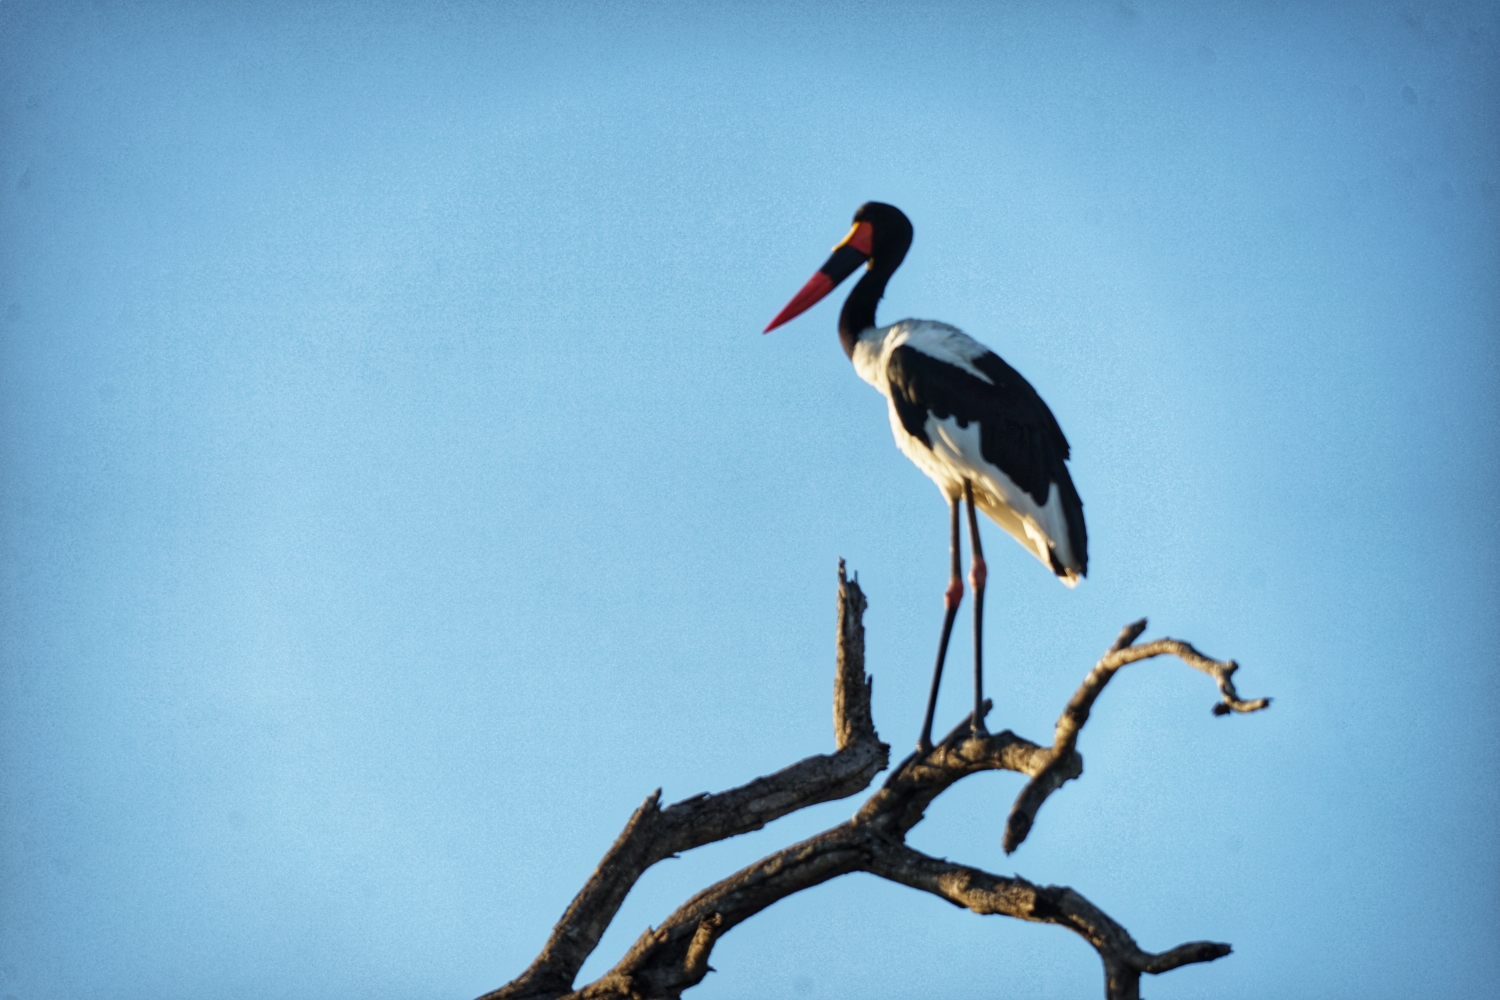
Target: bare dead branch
(1220, 670)
(1061, 763)
(983, 893)
(653, 834)
(671, 958)
(902, 801)
(666, 960)
(852, 722)
(662, 963)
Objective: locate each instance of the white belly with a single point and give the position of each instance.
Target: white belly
(955, 456)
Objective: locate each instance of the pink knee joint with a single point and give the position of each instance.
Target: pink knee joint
(953, 594)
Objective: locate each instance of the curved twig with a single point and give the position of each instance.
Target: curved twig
(1061, 761)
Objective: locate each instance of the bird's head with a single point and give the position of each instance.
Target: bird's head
(879, 238)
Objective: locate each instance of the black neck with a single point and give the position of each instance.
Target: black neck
(858, 314)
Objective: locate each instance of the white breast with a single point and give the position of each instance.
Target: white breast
(872, 352)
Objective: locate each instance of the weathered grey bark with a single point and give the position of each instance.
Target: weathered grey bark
(673, 957)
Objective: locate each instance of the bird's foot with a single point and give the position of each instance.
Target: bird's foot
(924, 747)
(978, 573)
(977, 730)
(953, 594)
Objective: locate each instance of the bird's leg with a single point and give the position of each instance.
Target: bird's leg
(977, 574)
(951, 597)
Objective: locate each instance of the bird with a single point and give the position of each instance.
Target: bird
(964, 417)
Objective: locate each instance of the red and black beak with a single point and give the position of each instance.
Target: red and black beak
(846, 259)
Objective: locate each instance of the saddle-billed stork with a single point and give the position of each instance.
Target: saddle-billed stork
(965, 417)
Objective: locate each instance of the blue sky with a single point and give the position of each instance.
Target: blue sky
(397, 489)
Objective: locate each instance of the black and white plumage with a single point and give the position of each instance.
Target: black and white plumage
(957, 410)
(961, 413)
(964, 417)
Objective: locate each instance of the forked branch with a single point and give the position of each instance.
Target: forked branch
(653, 834)
(673, 957)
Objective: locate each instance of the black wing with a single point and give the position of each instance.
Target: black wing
(1017, 432)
